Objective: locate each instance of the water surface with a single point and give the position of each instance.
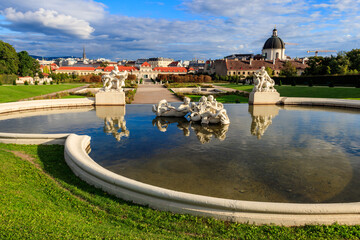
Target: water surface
(292, 154)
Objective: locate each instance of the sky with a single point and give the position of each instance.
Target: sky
(179, 29)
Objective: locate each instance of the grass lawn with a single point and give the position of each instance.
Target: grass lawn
(306, 91)
(42, 199)
(240, 87)
(223, 99)
(18, 92)
(318, 92)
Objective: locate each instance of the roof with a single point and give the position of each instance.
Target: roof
(77, 68)
(174, 64)
(170, 69)
(257, 64)
(191, 69)
(45, 74)
(274, 42)
(121, 68)
(145, 64)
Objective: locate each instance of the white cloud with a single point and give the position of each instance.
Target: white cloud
(47, 21)
(87, 10)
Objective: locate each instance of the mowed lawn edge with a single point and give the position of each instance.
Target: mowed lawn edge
(10, 93)
(42, 198)
(306, 91)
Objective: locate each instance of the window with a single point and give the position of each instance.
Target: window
(277, 55)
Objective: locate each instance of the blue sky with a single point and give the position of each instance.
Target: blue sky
(180, 29)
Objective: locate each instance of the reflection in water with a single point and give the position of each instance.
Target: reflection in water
(204, 132)
(114, 122)
(261, 118)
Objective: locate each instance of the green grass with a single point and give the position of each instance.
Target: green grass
(306, 91)
(223, 99)
(246, 88)
(318, 92)
(15, 93)
(42, 199)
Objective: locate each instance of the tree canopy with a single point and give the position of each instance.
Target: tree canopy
(343, 63)
(27, 65)
(9, 60)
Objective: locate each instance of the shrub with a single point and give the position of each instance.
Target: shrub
(331, 83)
(44, 83)
(293, 82)
(52, 82)
(36, 82)
(26, 83)
(0, 82)
(280, 83)
(14, 82)
(310, 83)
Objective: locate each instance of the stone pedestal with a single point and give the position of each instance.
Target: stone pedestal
(110, 98)
(264, 98)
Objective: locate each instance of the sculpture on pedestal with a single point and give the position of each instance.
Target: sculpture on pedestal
(263, 82)
(114, 80)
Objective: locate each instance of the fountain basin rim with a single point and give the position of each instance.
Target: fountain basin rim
(288, 214)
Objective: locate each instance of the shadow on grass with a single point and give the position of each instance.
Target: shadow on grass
(53, 161)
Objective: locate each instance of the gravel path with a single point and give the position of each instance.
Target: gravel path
(151, 93)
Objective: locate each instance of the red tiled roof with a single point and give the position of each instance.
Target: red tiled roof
(145, 64)
(170, 69)
(121, 68)
(257, 64)
(53, 64)
(191, 69)
(77, 68)
(173, 64)
(45, 74)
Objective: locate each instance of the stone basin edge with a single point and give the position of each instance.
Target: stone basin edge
(286, 214)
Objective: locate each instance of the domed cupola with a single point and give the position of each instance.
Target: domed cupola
(274, 41)
(274, 47)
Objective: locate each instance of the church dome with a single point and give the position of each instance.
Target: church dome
(274, 42)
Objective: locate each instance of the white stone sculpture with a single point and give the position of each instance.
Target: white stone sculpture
(164, 109)
(208, 110)
(263, 82)
(114, 80)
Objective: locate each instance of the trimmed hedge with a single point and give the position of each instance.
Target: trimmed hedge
(331, 80)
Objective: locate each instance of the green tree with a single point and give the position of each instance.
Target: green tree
(354, 59)
(28, 66)
(104, 64)
(9, 60)
(269, 71)
(288, 70)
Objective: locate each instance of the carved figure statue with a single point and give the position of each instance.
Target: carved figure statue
(164, 109)
(114, 80)
(263, 82)
(208, 110)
